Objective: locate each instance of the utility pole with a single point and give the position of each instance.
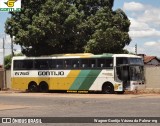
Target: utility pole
(3, 52)
(4, 72)
(136, 49)
(12, 53)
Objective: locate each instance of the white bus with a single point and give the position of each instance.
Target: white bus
(108, 73)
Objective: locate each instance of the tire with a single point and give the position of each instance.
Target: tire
(43, 87)
(32, 87)
(108, 88)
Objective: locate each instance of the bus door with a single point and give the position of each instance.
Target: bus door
(122, 75)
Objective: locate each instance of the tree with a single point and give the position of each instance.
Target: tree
(111, 33)
(68, 26)
(8, 60)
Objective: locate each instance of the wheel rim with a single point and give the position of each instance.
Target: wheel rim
(32, 88)
(108, 89)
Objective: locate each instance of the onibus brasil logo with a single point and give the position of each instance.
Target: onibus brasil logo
(10, 5)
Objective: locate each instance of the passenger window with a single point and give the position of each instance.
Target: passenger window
(53, 64)
(23, 64)
(59, 64)
(109, 62)
(75, 63)
(101, 63)
(67, 63)
(41, 64)
(84, 63)
(92, 63)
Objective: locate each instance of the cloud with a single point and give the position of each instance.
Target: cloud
(144, 24)
(145, 27)
(152, 47)
(150, 15)
(144, 33)
(133, 6)
(138, 25)
(153, 44)
(139, 29)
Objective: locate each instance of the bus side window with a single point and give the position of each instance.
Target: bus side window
(59, 64)
(23, 64)
(41, 64)
(18, 64)
(29, 64)
(109, 62)
(67, 63)
(101, 63)
(84, 63)
(53, 64)
(92, 63)
(75, 63)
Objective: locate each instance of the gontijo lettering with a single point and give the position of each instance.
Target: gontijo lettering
(46, 73)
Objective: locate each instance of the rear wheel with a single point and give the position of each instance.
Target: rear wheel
(32, 87)
(43, 87)
(108, 88)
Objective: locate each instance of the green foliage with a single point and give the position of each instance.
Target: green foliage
(111, 33)
(8, 60)
(46, 27)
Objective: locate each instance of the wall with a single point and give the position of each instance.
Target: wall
(8, 78)
(1, 79)
(152, 76)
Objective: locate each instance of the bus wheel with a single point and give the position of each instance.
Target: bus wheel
(32, 87)
(108, 88)
(43, 87)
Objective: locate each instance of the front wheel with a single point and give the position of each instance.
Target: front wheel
(108, 88)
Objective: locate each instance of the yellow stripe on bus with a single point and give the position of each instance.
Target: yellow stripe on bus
(55, 83)
(60, 83)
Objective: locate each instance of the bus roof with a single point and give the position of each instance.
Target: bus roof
(127, 55)
(78, 55)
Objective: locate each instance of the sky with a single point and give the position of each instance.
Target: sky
(144, 16)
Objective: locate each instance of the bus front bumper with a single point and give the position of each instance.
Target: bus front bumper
(134, 85)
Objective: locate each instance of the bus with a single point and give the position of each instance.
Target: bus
(86, 72)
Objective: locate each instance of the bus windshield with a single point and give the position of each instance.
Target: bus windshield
(126, 60)
(130, 73)
(136, 73)
(135, 61)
